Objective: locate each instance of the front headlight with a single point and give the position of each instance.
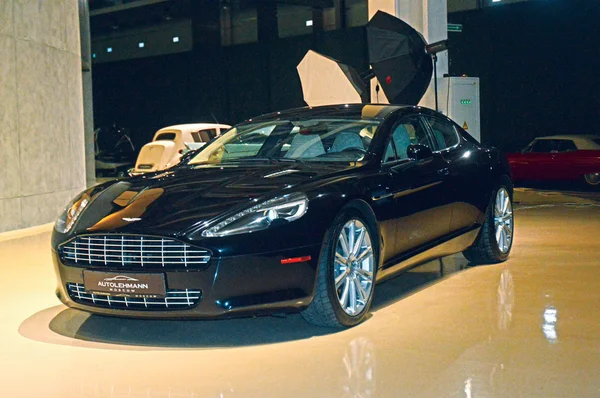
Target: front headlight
(69, 216)
(279, 210)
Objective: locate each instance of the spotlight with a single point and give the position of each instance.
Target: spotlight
(433, 49)
(437, 47)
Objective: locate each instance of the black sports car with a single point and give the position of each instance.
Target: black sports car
(303, 210)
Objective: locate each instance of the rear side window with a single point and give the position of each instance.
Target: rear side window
(166, 137)
(444, 133)
(566, 146)
(204, 135)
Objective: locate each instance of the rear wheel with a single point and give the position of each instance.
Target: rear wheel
(346, 278)
(592, 180)
(495, 239)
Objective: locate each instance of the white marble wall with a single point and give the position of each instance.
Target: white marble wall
(42, 158)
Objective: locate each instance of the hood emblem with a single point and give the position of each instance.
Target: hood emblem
(131, 219)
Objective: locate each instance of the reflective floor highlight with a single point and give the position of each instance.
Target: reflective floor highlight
(526, 328)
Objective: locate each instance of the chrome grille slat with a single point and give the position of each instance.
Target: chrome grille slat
(175, 299)
(96, 252)
(146, 262)
(132, 252)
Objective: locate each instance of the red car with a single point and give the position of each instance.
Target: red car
(559, 157)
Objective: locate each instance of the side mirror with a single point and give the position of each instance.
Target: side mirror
(418, 152)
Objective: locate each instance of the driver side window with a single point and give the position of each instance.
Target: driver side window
(405, 133)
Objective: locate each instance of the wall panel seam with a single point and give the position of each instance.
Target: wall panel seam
(44, 193)
(17, 115)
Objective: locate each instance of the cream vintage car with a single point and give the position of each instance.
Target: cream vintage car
(169, 143)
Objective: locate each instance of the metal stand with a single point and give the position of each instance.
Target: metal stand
(434, 56)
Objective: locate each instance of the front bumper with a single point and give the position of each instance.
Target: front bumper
(231, 286)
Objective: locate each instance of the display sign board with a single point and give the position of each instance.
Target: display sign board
(124, 284)
(455, 27)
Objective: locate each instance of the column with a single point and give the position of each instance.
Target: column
(42, 156)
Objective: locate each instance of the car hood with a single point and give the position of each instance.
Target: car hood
(178, 200)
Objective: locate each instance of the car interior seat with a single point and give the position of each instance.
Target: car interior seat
(346, 140)
(401, 141)
(305, 146)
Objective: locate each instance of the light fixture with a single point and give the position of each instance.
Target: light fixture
(176, 39)
(109, 50)
(309, 22)
(141, 44)
(432, 49)
(437, 47)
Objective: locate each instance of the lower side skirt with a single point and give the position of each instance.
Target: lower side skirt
(450, 246)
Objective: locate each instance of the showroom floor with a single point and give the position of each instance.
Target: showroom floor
(526, 328)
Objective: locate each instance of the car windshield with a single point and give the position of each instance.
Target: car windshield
(310, 140)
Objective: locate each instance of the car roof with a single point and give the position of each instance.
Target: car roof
(352, 111)
(582, 141)
(569, 137)
(191, 127)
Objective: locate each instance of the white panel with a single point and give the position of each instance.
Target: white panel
(464, 104)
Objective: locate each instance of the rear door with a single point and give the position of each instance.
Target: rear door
(468, 182)
(415, 194)
(564, 161)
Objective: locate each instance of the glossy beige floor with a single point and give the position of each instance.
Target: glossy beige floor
(526, 328)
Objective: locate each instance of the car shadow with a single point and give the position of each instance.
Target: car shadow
(58, 325)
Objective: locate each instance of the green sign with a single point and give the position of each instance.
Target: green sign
(455, 27)
(465, 102)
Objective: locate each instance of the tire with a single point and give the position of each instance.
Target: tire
(592, 180)
(326, 308)
(493, 245)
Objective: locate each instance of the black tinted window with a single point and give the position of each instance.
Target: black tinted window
(597, 141)
(444, 133)
(566, 146)
(166, 137)
(543, 146)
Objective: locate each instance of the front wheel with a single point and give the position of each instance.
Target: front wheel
(495, 239)
(346, 276)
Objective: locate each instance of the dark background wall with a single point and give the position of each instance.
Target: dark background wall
(232, 83)
(539, 65)
(538, 62)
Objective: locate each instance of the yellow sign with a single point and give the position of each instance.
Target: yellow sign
(465, 125)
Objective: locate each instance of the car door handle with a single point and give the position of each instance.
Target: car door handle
(444, 172)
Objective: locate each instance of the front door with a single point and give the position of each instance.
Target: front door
(415, 190)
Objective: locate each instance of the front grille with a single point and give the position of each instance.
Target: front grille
(175, 299)
(131, 251)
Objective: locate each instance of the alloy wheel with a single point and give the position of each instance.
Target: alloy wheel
(353, 267)
(503, 220)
